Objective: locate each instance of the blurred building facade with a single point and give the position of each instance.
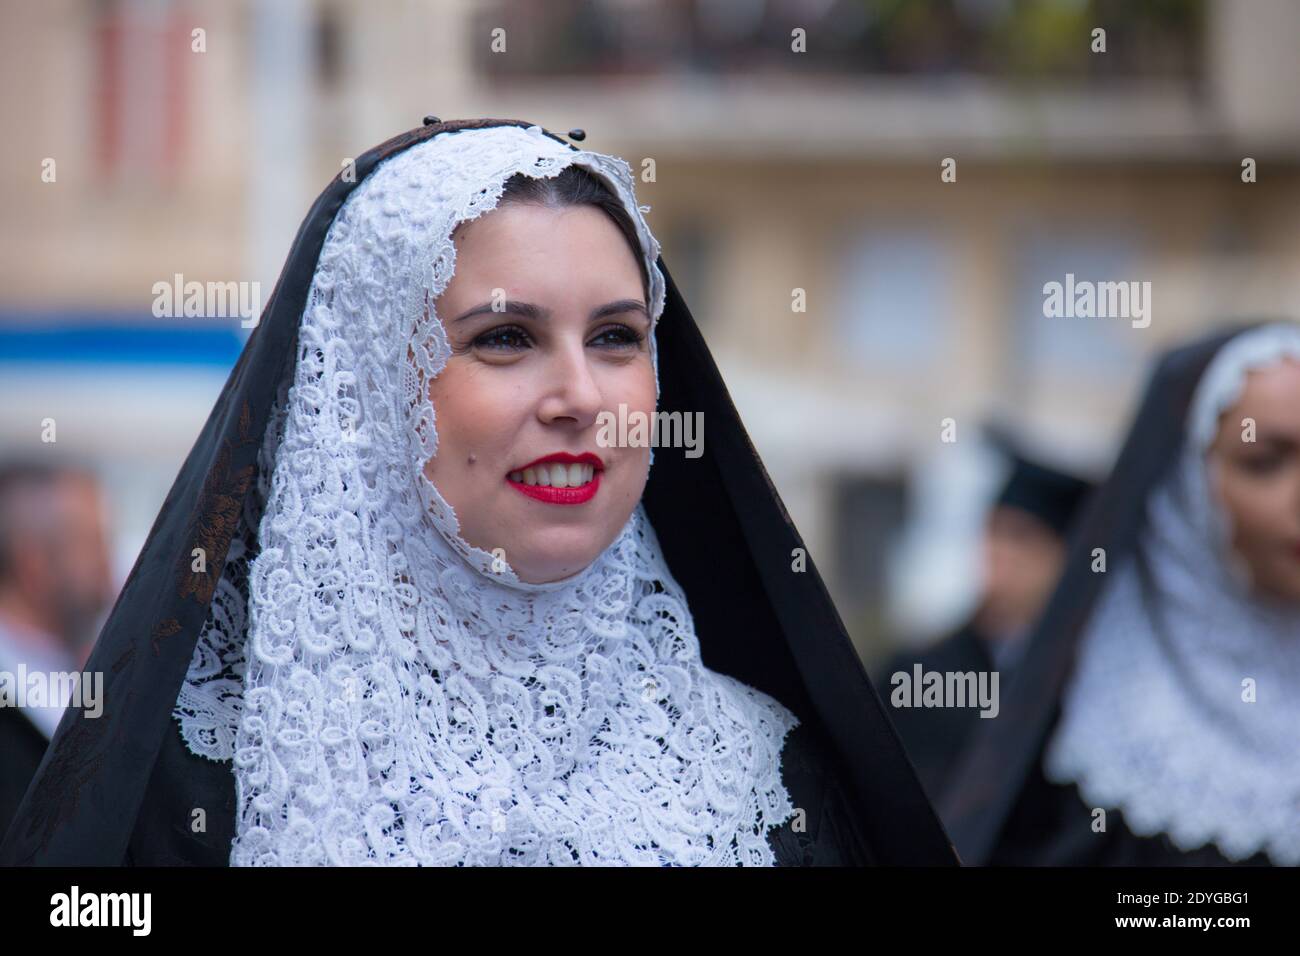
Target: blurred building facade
(190, 138)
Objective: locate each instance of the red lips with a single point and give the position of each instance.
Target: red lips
(562, 496)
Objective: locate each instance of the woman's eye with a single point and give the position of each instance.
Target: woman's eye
(619, 336)
(1262, 464)
(507, 338)
(512, 338)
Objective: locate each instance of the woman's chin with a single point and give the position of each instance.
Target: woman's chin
(542, 548)
(554, 558)
(549, 573)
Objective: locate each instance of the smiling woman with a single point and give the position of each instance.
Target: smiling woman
(565, 336)
(436, 622)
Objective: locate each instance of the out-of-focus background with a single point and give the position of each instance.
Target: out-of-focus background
(147, 139)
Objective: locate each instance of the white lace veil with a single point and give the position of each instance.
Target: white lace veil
(390, 694)
(1154, 720)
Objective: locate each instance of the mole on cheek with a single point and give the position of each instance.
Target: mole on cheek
(472, 458)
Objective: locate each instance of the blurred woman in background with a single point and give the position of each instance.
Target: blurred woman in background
(1155, 719)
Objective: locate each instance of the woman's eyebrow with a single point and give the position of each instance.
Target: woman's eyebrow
(529, 311)
(622, 305)
(1281, 440)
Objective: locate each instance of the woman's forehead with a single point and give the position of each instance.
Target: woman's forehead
(1270, 400)
(571, 247)
(1274, 388)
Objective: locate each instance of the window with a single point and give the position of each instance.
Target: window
(687, 250)
(897, 298)
(1099, 350)
(141, 70)
(868, 512)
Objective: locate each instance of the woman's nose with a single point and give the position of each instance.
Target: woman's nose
(571, 387)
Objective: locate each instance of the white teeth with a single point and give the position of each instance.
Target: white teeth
(555, 475)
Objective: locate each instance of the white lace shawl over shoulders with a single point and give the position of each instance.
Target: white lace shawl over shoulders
(389, 694)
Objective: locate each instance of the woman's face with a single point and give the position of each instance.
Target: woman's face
(569, 339)
(1259, 482)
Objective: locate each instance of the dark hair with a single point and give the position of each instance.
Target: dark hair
(578, 186)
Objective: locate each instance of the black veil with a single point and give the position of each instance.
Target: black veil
(999, 768)
(123, 787)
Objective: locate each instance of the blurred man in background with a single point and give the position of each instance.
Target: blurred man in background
(1023, 554)
(55, 585)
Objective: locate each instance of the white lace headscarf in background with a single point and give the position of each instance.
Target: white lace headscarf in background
(1153, 721)
(391, 694)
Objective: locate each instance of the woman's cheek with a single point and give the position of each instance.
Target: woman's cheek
(1242, 508)
(1253, 511)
